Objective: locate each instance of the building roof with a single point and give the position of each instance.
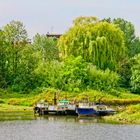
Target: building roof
(53, 35)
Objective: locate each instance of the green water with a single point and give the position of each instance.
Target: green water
(16, 116)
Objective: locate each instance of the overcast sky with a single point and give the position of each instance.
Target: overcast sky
(56, 16)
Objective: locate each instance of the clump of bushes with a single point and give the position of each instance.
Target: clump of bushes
(76, 75)
(102, 80)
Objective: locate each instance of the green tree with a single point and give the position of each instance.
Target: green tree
(3, 56)
(16, 38)
(19, 56)
(73, 74)
(15, 32)
(131, 41)
(135, 78)
(101, 43)
(133, 45)
(129, 31)
(47, 72)
(25, 78)
(47, 47)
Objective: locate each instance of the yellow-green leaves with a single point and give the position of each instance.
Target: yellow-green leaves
(101, 43)
(85, 20)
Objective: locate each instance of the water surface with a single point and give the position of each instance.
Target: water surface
(66, 128)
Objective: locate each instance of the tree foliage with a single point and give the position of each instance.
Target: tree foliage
(80, 21)
(15, 32)
(135, 47)
(47, 47)
(15, 56)
(25, 77)
(135, 78)
(102, 80)
(92, 54)
(101, 43)
(48, 74)
(131, 41)
(74, 74)
(3, 55)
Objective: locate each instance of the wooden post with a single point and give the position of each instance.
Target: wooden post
(55, 99)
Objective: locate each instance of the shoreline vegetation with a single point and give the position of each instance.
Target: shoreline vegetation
(95, 59)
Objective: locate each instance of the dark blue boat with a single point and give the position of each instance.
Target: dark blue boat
(86, 112)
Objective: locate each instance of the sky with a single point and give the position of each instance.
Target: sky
(56, 16)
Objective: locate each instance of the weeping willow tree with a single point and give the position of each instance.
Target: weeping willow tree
(101, 43)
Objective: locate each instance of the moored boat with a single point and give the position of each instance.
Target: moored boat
(68, 107)
(103, 110)
(84, 109)
(41, 108)
(52, 109)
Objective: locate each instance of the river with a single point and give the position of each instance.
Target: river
(66, 128)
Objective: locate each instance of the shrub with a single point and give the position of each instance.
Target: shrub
(102, 80)
(73, 74)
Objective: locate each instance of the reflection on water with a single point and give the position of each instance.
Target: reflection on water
(72, 119)
(65, 128)
(16, 116)
(8, 116)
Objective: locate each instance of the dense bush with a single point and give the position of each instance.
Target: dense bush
(73, 76)
(48, 74)
(69, 75)
(102, 80)
(125, 73)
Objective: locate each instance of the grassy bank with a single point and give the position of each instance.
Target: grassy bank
(129, 114)
(125, 103)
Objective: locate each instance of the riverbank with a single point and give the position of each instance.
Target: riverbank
(126, 104)
(15, 108)
(129, 115)
(125, 114)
